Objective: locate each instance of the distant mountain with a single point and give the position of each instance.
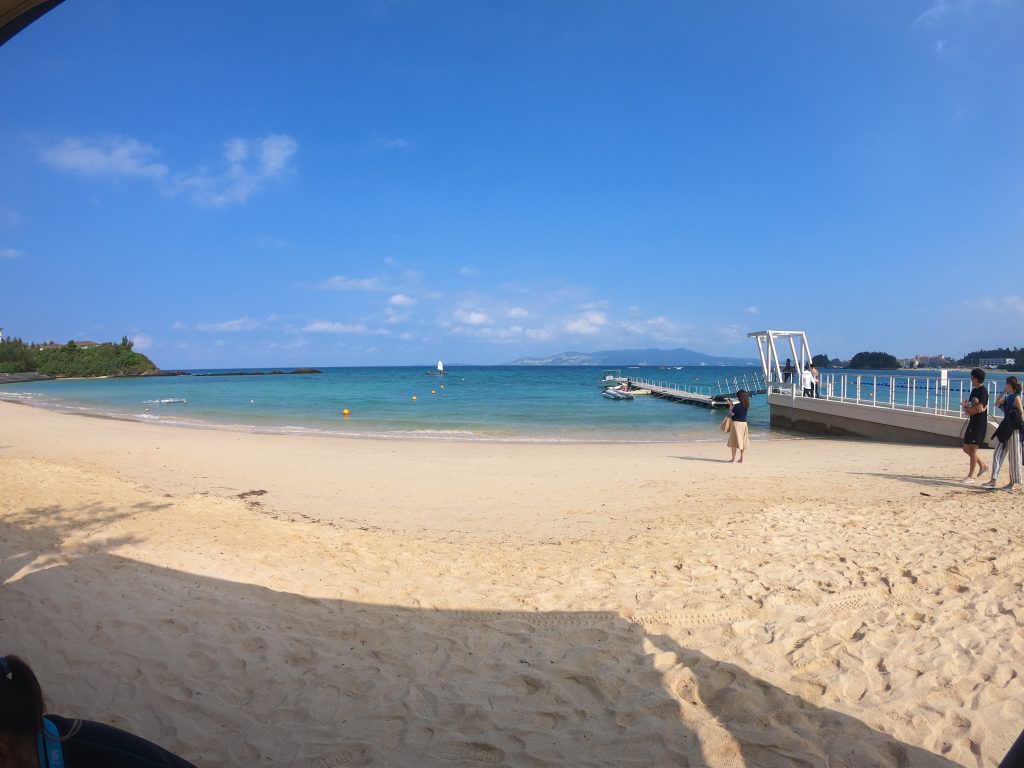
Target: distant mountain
(623, 357)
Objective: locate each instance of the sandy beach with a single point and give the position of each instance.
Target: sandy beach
(248, 599)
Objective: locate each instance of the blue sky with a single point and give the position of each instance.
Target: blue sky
(394, 182)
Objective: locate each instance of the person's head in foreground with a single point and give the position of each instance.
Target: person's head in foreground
(977, 377)
(744, 397)
(31, 738)
(21, 713)
(1012, 385)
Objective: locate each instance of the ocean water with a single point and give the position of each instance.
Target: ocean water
(547, 404)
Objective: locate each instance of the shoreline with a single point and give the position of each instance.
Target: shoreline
(440, 435)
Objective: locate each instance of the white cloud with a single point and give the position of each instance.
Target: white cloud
(297, 343)
(142, 342)
(731, 333)
(942, 8)
(392, 143)
(108, 156)
(390, 261)
(939, 46)
(539, 334)
(241, 324)
(587, 324)
(751, 310)
(401, 300)
(9, 218)
(472, 317)
(1002, 305)
(516, 313)
(469, 271)
(435, 295)
(10, 253)
(355, 329)
(177, 325)
(391, 316)
(342, 283)
(249, 165)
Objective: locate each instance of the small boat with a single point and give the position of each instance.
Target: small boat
(167, 400)
(439, 371)
(611, 379)
(616, 394)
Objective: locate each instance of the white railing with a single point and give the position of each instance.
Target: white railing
(673, 385)
(906, 393)
(729, 386)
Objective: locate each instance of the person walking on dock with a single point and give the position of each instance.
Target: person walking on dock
(976, 410)
(739, 436)
(815, 381)
(787, 371)
(1008, 435)
(807, 382)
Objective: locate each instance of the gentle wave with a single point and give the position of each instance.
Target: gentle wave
(441, 435)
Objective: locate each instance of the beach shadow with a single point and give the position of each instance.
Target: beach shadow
(924, 480)
(702, 458)
(234, 674)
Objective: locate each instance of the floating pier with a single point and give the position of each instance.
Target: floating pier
(902, 409)
(707, 397)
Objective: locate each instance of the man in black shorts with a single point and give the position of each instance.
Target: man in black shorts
(976, 409)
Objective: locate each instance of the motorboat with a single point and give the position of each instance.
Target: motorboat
(611, 378)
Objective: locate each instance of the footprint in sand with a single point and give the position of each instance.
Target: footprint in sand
(472, 751)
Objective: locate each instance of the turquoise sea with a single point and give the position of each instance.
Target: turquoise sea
(516, 403)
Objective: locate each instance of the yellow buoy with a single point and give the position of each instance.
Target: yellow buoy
(433, 391)
(344, 412)
(414, 397)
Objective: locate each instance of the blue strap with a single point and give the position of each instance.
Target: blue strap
(51, 752)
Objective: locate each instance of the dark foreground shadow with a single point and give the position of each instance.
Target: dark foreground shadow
(231, 674)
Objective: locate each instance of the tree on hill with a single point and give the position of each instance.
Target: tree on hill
(873, 361)
(72, 360)
(821, 361)
(16, 356)
(1002, 353)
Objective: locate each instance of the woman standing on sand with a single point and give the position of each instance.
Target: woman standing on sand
(739, 437)
(1008, 434)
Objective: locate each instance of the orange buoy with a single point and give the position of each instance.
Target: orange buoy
(345, 412)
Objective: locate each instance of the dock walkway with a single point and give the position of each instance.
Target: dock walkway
(707, 397)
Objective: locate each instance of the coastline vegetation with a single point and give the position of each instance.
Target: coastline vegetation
(72, 360)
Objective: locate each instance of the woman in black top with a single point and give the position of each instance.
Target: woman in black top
(739, 437)
(31, 739)
(975, 407)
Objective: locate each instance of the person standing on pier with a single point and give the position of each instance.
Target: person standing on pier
(739, 436)
(976, 410)
(815, 381)
(787, 371)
